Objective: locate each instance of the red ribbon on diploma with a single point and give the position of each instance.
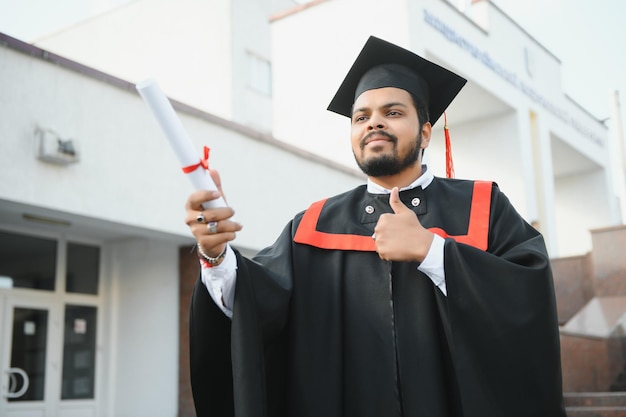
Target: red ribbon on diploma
(204, 162)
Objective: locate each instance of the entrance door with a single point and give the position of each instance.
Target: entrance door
(48, 326)
(30, 357)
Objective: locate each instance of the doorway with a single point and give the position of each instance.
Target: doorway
(49, 310)
(30, 356)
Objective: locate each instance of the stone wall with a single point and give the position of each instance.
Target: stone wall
(592, 363)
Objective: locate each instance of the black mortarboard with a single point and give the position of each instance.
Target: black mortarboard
(383, 64)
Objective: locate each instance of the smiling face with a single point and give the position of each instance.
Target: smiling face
(386, 135)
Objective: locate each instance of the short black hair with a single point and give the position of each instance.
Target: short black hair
(422, 110)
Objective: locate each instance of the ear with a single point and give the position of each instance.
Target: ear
(426, 133)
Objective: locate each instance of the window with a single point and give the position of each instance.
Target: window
(259, 74)
(28, 350)
(79, 352)
(27, 261)
(83, 264)
(28, 264)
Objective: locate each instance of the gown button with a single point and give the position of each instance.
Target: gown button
(415, 202)
(369, 209)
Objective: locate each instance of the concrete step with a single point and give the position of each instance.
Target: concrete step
(595, 399)
(595, 404)
(620, 383)
(596, 411)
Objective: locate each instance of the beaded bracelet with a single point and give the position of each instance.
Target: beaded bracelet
(210, 260)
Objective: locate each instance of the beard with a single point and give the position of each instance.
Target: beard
(388, 163)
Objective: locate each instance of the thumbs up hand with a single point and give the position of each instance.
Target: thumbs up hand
(399, 235)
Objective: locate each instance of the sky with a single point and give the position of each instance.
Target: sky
(587, 36)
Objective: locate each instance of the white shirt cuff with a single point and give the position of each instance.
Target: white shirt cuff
(220, 281)
(433, 264)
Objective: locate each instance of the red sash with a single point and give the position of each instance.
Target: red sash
(477, 229)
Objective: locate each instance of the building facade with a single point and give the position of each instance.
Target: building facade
(92, 235)
(91, 229)
(274, 65)
(511, 123)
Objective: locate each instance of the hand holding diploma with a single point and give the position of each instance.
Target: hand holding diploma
(192, 165)
(214, 227)
(208, 216)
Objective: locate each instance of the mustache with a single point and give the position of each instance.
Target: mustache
(392, 138)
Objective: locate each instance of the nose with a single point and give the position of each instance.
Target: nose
(376, 123)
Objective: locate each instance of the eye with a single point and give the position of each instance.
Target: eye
(394, 113)
(358, 118)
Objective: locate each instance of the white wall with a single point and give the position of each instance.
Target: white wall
(581, 206)
(127, 173)
(159, 38)
(124, 168)
(507, 70)
(144, 317)
(250, 37)
(312, 52)
(510, 75)
(485, 151)
(127, 191)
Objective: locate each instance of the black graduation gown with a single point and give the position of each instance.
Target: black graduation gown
(325, 328)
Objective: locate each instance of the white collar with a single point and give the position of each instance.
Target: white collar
(423, 180)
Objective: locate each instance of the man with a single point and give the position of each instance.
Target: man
(410, 296)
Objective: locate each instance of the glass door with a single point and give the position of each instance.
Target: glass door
(29, 361)
(49, 307)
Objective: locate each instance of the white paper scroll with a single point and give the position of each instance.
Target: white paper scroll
(181, 144)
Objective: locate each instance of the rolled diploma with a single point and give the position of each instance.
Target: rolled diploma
(181, 144)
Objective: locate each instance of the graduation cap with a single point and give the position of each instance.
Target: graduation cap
(383, 64)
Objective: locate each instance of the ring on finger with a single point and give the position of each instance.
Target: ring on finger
(212, 227)
(200, 218)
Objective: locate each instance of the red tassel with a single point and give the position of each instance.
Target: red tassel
(449, 162)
